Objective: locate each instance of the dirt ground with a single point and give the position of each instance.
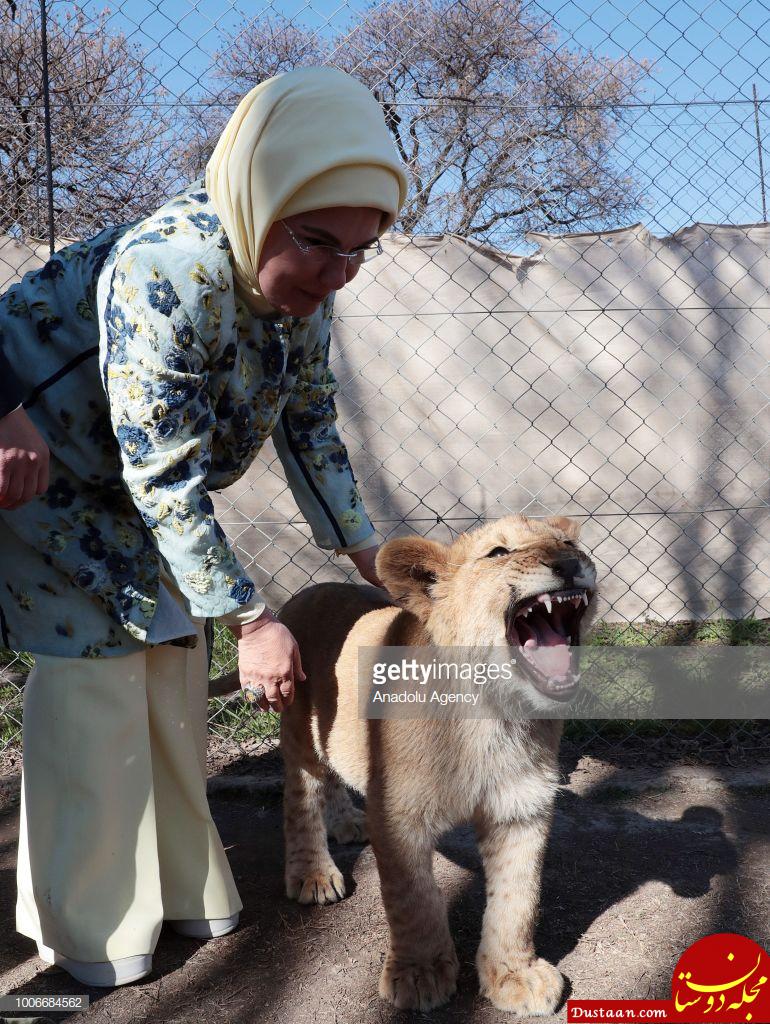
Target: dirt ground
(642, 861)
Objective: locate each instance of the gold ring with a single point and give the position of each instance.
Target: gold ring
(253, 694)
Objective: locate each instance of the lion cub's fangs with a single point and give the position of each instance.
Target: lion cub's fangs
(517, 581)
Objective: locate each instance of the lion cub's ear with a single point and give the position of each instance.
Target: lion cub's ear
(568, 526)
(408, 567)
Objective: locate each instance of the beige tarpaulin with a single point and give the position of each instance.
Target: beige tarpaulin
(17, 257)
(618, 377)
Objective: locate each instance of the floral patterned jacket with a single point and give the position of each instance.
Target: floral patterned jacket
(153, 384)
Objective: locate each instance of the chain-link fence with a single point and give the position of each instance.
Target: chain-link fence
(571, 315)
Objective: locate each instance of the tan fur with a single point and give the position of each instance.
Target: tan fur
(422, 777)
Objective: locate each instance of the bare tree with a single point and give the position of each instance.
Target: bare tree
(109, 133)
(261, 48)
(503, 126)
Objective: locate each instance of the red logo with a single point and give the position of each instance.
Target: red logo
(722, 977)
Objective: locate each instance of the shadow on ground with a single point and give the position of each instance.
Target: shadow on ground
(633, 874)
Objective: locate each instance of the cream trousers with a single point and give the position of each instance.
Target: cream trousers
(115, 832)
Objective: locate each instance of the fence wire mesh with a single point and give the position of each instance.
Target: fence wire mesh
(570, 316)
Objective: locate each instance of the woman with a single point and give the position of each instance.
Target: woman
(154, 360)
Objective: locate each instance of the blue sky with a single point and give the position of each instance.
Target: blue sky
(695, 150)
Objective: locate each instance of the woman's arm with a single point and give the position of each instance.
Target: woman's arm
(24, 458)
(24, 454)
(314, 457)
(364, 561)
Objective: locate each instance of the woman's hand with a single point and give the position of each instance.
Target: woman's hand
(364, 562)
(23, 460)
(268, 656)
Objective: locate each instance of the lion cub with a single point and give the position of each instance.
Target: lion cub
(516, 582)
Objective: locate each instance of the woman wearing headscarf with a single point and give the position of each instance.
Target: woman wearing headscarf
(154, 360)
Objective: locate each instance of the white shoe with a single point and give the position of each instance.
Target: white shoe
(206, 928)
(102, 975)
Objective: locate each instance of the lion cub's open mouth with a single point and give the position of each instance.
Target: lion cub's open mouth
(546, 629)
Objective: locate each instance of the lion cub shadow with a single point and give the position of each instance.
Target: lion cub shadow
(597, 855)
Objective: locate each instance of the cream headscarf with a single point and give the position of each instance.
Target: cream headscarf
(304, 140)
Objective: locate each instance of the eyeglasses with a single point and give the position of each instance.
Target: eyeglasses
(319, 251)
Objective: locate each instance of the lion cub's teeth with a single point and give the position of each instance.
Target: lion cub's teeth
(546, 601)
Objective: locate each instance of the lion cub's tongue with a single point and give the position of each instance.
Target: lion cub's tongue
(550, 652)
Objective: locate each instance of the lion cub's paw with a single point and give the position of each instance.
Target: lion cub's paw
(324, 885)
(410, 985)
(532, 989)
(348, 827)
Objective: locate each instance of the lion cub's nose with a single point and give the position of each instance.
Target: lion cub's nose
(570, 570)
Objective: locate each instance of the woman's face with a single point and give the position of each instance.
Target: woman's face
(295, 283)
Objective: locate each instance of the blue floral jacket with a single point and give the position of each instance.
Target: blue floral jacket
(153, 384)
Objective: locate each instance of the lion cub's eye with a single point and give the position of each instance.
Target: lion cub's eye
(497, 551)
